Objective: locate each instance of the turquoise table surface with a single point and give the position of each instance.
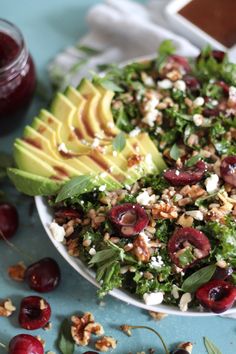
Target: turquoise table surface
(48, 26)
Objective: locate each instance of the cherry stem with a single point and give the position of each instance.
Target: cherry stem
(16, 249)
(152, 330)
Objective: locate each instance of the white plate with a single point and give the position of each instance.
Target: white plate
(46, 216)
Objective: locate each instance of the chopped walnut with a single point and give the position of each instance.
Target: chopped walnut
(82, 328)
(164, 211)
(17, 272)
(141, 249)
(157, 315)
(105, 343)
(6, 308)
(73, 248)
(185, 220)
(188, 346)
(48, 326)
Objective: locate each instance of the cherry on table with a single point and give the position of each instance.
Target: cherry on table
(35, 312)
(128, 218)
(228, 170)
(9, 220)
(185, 175)
(25, 344)
(43, 275)
(217, 295)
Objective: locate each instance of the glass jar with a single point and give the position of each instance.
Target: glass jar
(17, 77)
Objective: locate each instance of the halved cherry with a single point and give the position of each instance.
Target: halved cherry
(224, 86)
(222, 273)
(25, 344)
(185, 175)
(34, 313)
(192, 83)
(179, 62)
(217, 295)
(188, 239)
(218, 55)
(129, 219)
(211, 112)
(228, 170)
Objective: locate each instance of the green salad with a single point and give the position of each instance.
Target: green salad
(154, 212)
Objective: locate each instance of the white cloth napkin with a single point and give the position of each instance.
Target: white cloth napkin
(119, 30)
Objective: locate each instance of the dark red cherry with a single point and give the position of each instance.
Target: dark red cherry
(67, 213)
(185, 175)
(228, 170)
(35, 312)
(179, 62)
(211, 112)
(89, 352)
(222, 273)
(192, 83)
(180, 351)
(217, 295)
(190, 240)
(25, 344)
(130, 219)
(224, 86)
(218, 55)
(9, 220)
(44, 275)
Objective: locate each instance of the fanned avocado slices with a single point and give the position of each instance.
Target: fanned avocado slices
(75, 138)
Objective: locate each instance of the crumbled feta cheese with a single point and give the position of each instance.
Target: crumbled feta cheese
(95, 143)
(165, 84)
(184, 301)
(211, 183)
(62, 147)
(144, 198)
(92, 251)
(136, 131)
(104, 174)
(156, 262)
(57, 231)
(148, 80)
(114, 153)
(214, 102)
(175, 291)
(151, 104)
(196, 214)
(150, 117)
(145, 237)
(180, 85)
(199, 101)
(128, 187)
(102, 188)
(197, 119)
(153, 298)
(232, 93)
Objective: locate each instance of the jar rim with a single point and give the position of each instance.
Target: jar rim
(20, 42)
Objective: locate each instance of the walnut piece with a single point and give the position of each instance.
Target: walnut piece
(141, 250)
(158, 316)
(6, 308)
(17, 272)
(82, 328)
(105, 343)
(188, 346)
(164, 211)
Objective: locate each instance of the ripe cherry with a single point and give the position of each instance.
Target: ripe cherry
(222, 273)
(9, 220)
(34, 313)
(217, 295)
(129, 219)
(211, 112)
(44, 275)
(25, 344)
(190, 240)
(67, 213)
(192, 83)
(228, 170)
(218, 55)
(185, 175)
(179, 62)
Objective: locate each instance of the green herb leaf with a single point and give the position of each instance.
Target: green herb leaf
(210, 347)
(193, 160)
(200, 277)
(88, 50)
(103, 255)
(110, 85)
(75, 187)
(119, 142)
(166, 48)
(65, 340)
(174, 152)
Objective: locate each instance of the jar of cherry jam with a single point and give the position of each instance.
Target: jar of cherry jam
(17, 77)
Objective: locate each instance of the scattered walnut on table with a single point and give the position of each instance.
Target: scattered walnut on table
(17, 271)
(6, 308)
(105, 343)
(157, 315)
(82, 328)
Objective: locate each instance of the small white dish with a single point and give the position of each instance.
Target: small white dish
(46, 217)
(187, 28)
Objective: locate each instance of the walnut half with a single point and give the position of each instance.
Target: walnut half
(82, 328)
(6, 308)
(105, 343)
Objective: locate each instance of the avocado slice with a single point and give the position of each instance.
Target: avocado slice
(91, 118)
(105, 113)
(32, 184)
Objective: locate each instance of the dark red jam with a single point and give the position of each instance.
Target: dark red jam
(17, 77)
